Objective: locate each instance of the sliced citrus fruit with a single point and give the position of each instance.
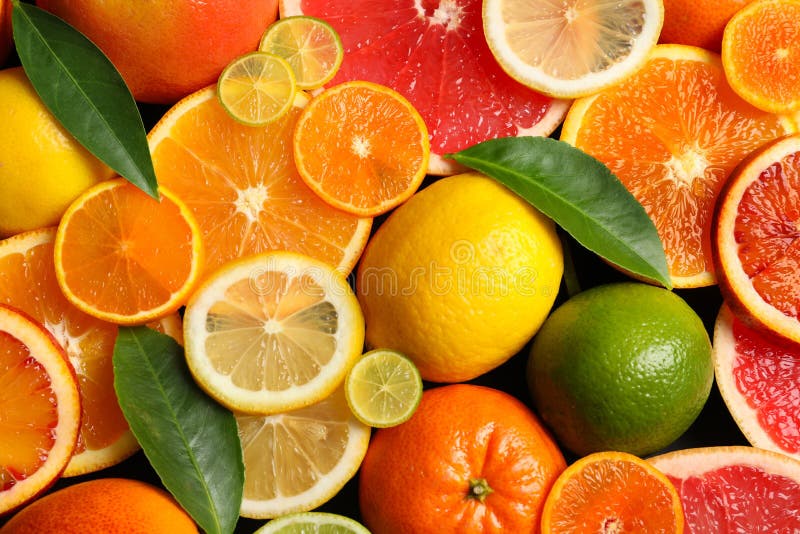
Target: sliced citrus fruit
(383, 388)
(257, 88)
(672, 133)
(759, 379)
(310, 45)
(123, 257)
(612, 492)
(28, 282)
(434, 53)
(242, 185)
(40, 409)
(574, 48)
(311, 522)
(755, 233)
(296, 461)
(361, 147)
(735, 489)
(761, 54)
(272, 332)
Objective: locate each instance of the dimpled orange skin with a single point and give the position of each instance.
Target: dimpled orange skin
(698, 23)
(416, 477)
(166, 49)
(109, 505)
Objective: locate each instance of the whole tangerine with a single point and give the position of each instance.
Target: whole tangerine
(698, 23)
(470, 459)
(166, 49)
(108, 505)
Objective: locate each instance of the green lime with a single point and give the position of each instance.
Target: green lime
(313, 523)
(383, 388)
(624, 367)
(257, 88)
(310, 45)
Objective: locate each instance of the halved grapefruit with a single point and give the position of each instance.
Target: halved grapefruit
(435, 54)
(759, 379)
(735, 489)
(756, 233)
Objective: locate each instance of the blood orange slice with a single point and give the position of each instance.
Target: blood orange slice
(735, 489)
(435, 54)
(756, 231)
(40, 409)
(759, 379)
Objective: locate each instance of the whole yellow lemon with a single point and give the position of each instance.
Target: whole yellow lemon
(460, 277)
(42, 167)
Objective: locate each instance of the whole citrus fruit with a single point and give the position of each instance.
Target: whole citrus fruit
(166, 49)
(42, 167)
(108, 505)
(459, 277)
(698, 23)
(470, 459)
(623, 367)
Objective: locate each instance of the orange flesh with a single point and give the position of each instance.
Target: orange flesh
(673, 133)
(124, 252)
(28, 282)
(767, 229)
(613, 496)
(242, 185)
(765, 53)
(361, 148)
(28, 413)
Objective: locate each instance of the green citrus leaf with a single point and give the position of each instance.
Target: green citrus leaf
(85, 92)
(580, 194)
(191, 441)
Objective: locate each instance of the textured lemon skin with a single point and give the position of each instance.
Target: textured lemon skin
(42, 167)
(459, 277)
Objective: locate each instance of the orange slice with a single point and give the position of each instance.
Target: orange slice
(39, 409)
(612, 492)
(672, 133)
(362, 148)
(243, 188)
(756, 238)
(123, 257)
(28, 282)
(761, 54)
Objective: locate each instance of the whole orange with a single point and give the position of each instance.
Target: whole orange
(698, 22)
(166, 49)
(470, 459)
(108, 505)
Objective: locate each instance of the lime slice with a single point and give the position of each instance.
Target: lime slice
(311, 523)
(310, 45)
(257, 88)
(383, 388)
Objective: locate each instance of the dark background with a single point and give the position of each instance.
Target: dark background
(713, 427)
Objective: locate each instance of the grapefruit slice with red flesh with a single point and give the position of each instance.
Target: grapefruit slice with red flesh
(756, 238)
(735, 489)
(759, 379)
(434, 53)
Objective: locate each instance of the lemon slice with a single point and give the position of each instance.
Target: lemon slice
(272, 332)
(572, 48)
(311, 523)
(383, 388)
(296, 461)
(257, 88)
(310, 45)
